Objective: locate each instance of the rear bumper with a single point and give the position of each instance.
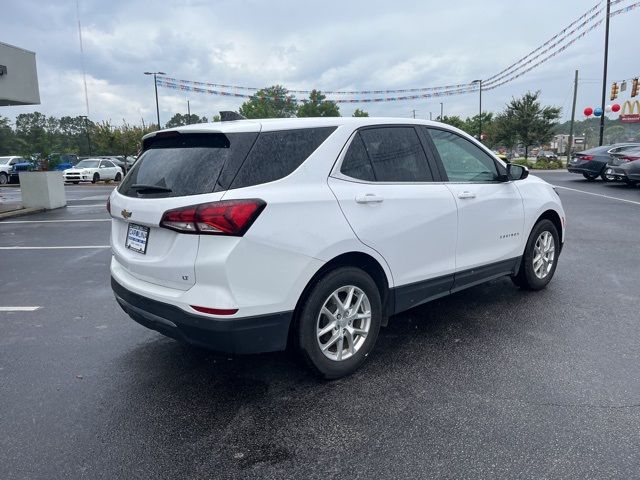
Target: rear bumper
(591, 168)
(263, 333)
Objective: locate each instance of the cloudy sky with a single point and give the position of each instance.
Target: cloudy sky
(331, 45)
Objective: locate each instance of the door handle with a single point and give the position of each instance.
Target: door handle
(369, 198)
(466, 194)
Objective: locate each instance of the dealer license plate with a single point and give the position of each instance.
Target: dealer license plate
(137, 236)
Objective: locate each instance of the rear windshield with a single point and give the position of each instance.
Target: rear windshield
(196, 163)
(187, 164)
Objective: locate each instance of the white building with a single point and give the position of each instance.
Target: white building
(18, 76)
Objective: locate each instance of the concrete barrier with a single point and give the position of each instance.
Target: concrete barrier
(42, 190)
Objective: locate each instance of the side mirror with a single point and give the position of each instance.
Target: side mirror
(517, 172)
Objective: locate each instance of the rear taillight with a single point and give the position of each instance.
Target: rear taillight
(228, 217)
(585, 157)
(629, 159)
(109, 205)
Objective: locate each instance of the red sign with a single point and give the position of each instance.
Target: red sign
(632, 118)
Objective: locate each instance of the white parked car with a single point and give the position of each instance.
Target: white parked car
(246, 236)
(93, 170)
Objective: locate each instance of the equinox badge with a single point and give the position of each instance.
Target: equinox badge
(126, 213)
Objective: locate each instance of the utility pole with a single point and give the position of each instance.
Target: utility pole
(86, 131)
(414, 113)
(479, 82)
(604, 73)
(430, 115)
(155, 84)
(188, 113)
(573, 116)
(441, 111)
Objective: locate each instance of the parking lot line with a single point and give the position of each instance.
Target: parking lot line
(65, 247)
(58, 221)
(86, 206)
(598, 195)
(19, 309)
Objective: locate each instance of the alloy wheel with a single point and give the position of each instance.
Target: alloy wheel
(343, 323)
(544, 254)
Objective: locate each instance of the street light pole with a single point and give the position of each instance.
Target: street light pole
(479, 82)
(86, 131)
(155, 84)
(604, 73)
(441, 111)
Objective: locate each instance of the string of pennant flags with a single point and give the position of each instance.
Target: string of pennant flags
(468, 88)
(596, 8)
(306, 92)
(557, 44)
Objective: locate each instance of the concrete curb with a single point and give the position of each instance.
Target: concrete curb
(20, 212)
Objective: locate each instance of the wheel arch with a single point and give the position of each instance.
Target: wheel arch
(554, 217)
(360, 260)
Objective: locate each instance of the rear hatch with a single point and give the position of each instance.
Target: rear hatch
(177, 169)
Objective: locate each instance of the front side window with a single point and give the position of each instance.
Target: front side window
(462, 160)
(396, 154)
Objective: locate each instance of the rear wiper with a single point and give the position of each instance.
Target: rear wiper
(139, 187)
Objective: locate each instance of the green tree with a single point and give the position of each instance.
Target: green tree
(472, 124)
(270, 102)
(454, 121)
(7, 137)
(615, 134)
(31, 133)
(179, 120)
(531, 123)
(318, 106)
(502, 132)
(360, 113)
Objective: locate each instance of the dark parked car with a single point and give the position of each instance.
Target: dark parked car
(625, 166)
(592, 163)
(546, 155)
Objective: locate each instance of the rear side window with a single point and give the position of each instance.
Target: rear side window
(187, 164)
(396, 154)
(276, 154)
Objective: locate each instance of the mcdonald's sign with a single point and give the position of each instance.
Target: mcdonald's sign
(628, 113)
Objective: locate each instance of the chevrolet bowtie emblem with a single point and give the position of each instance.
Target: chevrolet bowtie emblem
(126, 213)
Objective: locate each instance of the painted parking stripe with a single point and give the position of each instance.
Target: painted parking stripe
(87, 206)
(599, 195)
(65, 247)
(19, 309)
(58, 221)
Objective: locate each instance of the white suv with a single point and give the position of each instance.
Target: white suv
(246, 236)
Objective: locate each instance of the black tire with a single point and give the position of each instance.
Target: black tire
(631, 183)
(75, 183)
(307, 322)
(603, 175)
(118, 177)
(96, 178)
(4, 178)
(526, 277)
(590, 178)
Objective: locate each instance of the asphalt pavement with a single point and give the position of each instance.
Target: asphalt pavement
(491, 382)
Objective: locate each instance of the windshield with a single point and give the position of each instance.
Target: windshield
(4, 160)
(88, 164)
